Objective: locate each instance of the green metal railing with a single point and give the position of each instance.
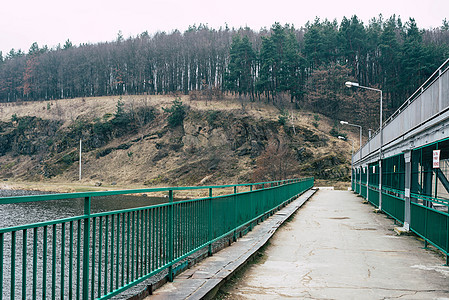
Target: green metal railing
(363, 190)
(373, 195)
(100, 255)
(394, 205)
(429, 223)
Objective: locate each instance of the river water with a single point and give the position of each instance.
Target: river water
(32, 212)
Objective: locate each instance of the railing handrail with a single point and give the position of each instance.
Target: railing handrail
(443, 68)
(431, 199)
(60, 196)
(99, 214)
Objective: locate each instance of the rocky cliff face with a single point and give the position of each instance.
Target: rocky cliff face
(209, 147)
(244, 136)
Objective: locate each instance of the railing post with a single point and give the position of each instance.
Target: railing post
(170, 235)
(425, 227)
(234, 236)
(13, 264)
(1, 263)
(209, 252)
(24, 259)
(447, 243)
(86, 246)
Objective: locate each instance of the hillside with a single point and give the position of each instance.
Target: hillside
(128, 142)
(391, 54)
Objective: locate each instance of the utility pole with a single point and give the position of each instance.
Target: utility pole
(80, 159)
(293, 123)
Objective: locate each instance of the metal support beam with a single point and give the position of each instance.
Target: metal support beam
(407, 186)
(367, 180)
(360, 178)
(380, 184)
(442, 178)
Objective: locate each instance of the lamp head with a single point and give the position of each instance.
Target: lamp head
(343, 122)
(341, 137)
(351, 84)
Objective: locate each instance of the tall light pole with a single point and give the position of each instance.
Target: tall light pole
(352, 152)
(350, 84)
(355, 125)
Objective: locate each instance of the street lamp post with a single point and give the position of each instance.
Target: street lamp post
(350, 84)
(352, 152)
(355, 125)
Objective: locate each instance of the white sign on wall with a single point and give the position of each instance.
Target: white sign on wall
(436, 159)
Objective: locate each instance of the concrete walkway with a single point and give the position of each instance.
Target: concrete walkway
(203, 279)
(336, 247)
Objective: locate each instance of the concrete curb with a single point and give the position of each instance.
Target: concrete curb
(203, 280)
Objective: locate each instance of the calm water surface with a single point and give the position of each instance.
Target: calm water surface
(32, 212)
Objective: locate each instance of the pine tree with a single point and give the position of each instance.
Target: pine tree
(320, 43)
(352, 45)
(389, 48)
(67, 45)
(293, 68)
(412, 60)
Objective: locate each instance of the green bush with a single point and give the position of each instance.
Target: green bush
(334, 132)
(103, 129)
(121, 117)
(212, 117)
(283, 118)
(176, 113)
(69, 158)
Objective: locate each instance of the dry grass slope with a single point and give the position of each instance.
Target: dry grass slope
(190, 155)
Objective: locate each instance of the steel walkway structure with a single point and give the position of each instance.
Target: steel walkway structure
(394, 170)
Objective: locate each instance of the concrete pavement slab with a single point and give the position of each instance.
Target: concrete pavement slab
(335, 247)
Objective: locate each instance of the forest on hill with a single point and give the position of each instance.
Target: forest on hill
(282, 64)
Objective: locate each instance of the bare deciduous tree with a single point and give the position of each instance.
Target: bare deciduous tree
(276, 162)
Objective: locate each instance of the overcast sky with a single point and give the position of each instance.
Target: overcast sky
(49, 22)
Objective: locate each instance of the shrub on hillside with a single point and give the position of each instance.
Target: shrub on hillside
(283, 118)
(212, 117)
(176, 113)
